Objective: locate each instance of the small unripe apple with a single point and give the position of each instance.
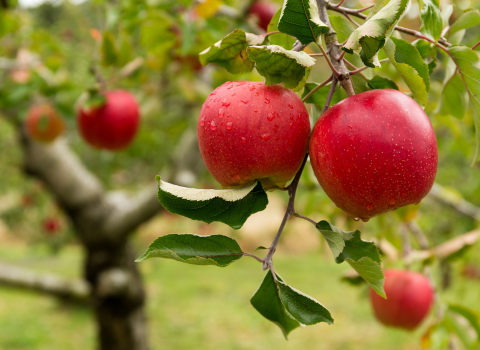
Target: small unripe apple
(264, 11)
(249, 131)
(43, 123)
(409, 298)
(374, 152)
(112, 125)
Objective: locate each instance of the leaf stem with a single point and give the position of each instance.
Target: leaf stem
(354, 67)
(307, 96)
(292, 190)
(305, 218)
(475, 46)
(339, 4)
(330, 94)
(253, 256)
(270, 33)
(365, 8)
(358, 70)
(329, 61)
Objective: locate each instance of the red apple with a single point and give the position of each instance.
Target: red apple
(264, 11)
(113, 124)
(51, 226)
(374, 152)
(43, 123)
(248, 131)
(409, 298)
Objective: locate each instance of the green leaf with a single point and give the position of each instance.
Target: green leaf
(280, 39)
(373, 33)
(379, 82)
(470, 18)
(279, 65)
(363, 256)
(411, 66)
(230, 52)
(302, 307)
(432, 22)
(109, 51)
(232, 207)
(95, 99)
(472, 317)
(467, 61)
(342, 26)
(266, 300)
(193, 249)
(428, 51)
(261, 247)
(299, 18)
(453, 100)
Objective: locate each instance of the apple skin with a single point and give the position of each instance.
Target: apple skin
(374, 152)
(409, 299)
(112, 126)
(43, 123)
(249, 131)
(264, 10)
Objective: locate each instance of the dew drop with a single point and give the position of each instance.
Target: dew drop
(214, 92)
(244, 140)
(202, 121)
(291, 125)
(213, 126)
(356, 219)
(290, 105)
(265, 137)
(271, 116)
(229, 125)
(369, 206)
(267, 101)
(251, 87)
(255, 110)
(391, 201)
(225, 102)
(256, 94)
(244, 101)
(221, 113)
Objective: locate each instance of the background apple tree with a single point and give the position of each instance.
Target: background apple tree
(155, 49)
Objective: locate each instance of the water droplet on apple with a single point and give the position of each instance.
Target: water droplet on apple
(255, 110)
(391, 201)
(369, 206)
(271, 116)
(251, 87)
(291, 125)
(221, 113)
(225, 102)
(356, 219)
(265, 137)
(202, 121)
(267, 101)
(244, 101)
(256, 94)
(213, 126)
(290, 105)
(229, 125)
(244, 140)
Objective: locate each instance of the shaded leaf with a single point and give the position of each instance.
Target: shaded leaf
(342, 26)
(299, 18)
(284, 40)
(232, 207)
(320, 96)
(193, 249)
(467, 61)
(370, 37)
(266, 300)
(230, 52)
(453, 99)
(109, 51)
(278, 65)
(471, 316)
(411, 66)
(379, 82)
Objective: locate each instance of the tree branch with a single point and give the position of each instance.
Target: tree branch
(441, 194)
(70, 290)
(333, 49)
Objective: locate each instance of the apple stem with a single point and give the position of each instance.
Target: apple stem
(315, 89)
(330, 94)
(292, 190)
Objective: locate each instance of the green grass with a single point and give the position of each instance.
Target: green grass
(205, 307)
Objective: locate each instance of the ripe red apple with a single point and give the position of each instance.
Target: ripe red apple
(43, 123)
(264, 11)
(409, 298)
(113, 124)
(248, 131)
(51, 226)
(374, 152)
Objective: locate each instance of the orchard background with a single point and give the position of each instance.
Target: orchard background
(71, 232)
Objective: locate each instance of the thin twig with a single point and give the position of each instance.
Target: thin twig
(305, 218)
(355, 68)
(317, 87)
(270, 33)
(292, 190)
(330, 94)
(347, 11)
(358, 70)
(316, 54)
(365, 8)
(475, 46)
(444, 31)
(339, 4)
(334, 70)
(253, 256)
(351, 20)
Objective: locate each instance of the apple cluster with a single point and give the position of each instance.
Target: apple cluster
(371, 153)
